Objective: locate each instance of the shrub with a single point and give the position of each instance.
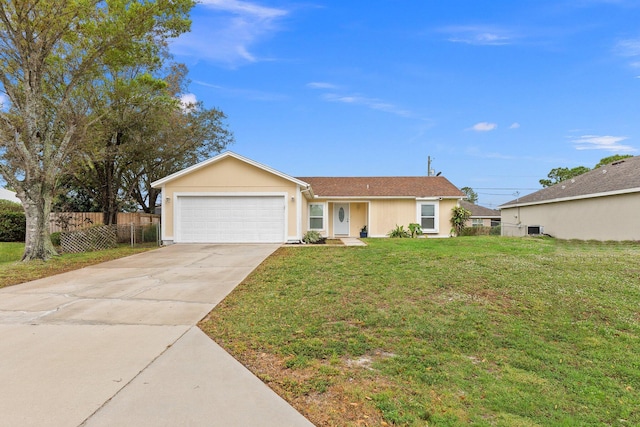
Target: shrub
(312, 236)
(150, 233)
(399, 232)
(55, 238)
(475, 231)
(13, 226)
(458, 218)
(415, 229)
(480, 231)
(9, 206)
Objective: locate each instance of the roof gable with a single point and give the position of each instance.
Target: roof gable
(209, 162)
(479, 211)
(622, 176)
(389, 186)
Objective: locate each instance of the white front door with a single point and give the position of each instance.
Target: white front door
(341, 219)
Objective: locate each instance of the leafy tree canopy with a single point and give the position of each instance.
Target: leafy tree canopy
(472, 196)
(557, 175)
(611, 159)
(51, 52)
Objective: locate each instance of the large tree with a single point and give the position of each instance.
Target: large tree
(472, 196)
(50, 50)
(611, 159)
(191, 135)
(143, 134)
(557, 175)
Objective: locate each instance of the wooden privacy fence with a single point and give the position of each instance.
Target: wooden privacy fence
(69, 221)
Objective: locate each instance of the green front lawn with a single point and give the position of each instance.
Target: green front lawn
(10, 252)
(12, 271)
(483, 331)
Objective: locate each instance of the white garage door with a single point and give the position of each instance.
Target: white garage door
(222, 219)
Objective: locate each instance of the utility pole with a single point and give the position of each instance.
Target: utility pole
(429, 170)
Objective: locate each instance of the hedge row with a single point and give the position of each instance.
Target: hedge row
(13, 226)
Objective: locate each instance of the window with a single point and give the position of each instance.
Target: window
(316, 216)
(428, 216)
(477, 222)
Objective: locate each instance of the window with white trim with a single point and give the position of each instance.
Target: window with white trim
(477, 222)
(316, 216)
(428, 216)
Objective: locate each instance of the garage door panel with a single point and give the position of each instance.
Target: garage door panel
(227, 219)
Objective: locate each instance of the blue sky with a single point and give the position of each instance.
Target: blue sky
(497, 92)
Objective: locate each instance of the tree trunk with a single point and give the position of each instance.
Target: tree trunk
(36, 200)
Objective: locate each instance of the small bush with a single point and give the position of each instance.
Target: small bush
(496, 231)
(150, 233)
(399, 232)
(9, 206)
(475, 231)
(313, 237)
(480, 231)
(13, 226)
(55, 238)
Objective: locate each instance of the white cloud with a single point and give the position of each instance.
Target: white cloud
(254, 95)
(628, 47)
(244, 8)
(226, 31)
(321, 85)
(605, 142)
(373, 103)
(479, 35)
(515, 125)
(188, 101)
(484, 127)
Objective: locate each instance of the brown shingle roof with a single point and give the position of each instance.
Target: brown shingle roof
(479, 211)
(617, 176)
(383, 186)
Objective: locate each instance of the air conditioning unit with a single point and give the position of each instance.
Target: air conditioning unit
(535, 229)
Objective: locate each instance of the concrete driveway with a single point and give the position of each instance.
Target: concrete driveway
(116, 345)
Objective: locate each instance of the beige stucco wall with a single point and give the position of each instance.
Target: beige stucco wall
(230, 175)
(445, 216)
(601, 218)
(381, 216)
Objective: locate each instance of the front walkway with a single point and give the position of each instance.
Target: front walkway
(116, 345)
(352, 241)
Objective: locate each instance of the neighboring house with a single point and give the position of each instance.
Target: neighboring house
(602, 204)
(481, 216)
(230, 198)
(8, 195)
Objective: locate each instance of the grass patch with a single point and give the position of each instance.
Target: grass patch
(10, 252)
(13, 272)
(483, 331)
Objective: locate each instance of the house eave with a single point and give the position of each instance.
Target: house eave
(572, 198)
(317, 196)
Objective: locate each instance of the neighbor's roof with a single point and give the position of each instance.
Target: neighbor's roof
(383, 186)
(8, 195)
(618, 177)
(479, 211)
